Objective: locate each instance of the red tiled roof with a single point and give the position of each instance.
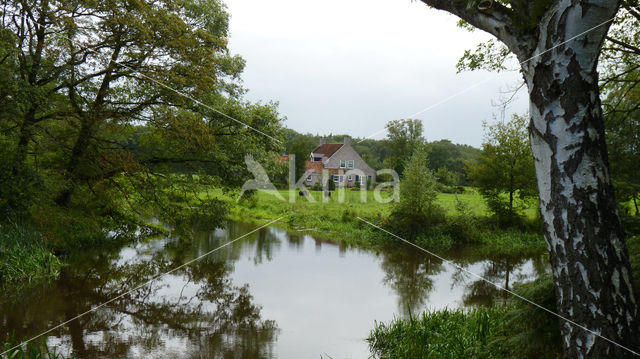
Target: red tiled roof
(328, 149)
(316, 167)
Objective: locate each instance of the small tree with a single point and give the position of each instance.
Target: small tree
(417, 210)
(505, 171)
(404, 137)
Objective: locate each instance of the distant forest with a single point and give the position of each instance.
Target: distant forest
(443, 154)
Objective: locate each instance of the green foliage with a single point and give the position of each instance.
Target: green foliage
(633, 245)
(440, 334)
(20, 186)
(383, 153)
(505, 173)
(622, 123)
(490, 55)
(25, 256)
(90, 145)
(515, 330)
(301, 149)
(455, 158)
(404, 138)
(417, 209)
(530, 331)
(331, 185)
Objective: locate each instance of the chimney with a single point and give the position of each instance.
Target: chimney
(347, 140)
(322, 141)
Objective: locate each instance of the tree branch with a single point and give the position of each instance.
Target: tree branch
(495, 20)
(630, 47)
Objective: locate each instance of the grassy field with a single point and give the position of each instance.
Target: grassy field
(353, 200)
(337, 217)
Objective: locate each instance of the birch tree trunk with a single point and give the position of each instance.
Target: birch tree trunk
(583, 232)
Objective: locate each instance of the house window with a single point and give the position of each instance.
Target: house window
(317, 159)
(336, 178)
(350, 178)
(357, 178)
(350, 164)
(308, 178)
(343, 163)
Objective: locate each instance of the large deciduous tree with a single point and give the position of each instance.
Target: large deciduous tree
(557, 43)
(99, 97)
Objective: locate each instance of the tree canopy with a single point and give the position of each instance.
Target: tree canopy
(504, 172)
(104, 100)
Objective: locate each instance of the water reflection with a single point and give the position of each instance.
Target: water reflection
(410, 274)
(196, 311)
(271, 294)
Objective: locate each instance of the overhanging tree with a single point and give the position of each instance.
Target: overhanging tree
(557, 44)
(83, 101)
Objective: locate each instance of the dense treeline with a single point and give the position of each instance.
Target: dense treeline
(114, 112)
(443, 154)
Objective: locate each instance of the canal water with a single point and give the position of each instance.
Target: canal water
(272, 294)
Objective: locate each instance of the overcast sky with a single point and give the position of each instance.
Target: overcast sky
(350, 66)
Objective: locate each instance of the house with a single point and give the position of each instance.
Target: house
(341, 162)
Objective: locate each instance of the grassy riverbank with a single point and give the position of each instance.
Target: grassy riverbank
(337, 218)
(510, 330)
(25, 255)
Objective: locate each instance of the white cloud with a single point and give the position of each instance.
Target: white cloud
(349, 66)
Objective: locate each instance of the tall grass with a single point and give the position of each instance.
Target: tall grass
(514, 330)
(446, 334)
(24, 256)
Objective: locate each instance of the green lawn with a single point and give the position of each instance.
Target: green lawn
(269, 206)
(333, 217)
